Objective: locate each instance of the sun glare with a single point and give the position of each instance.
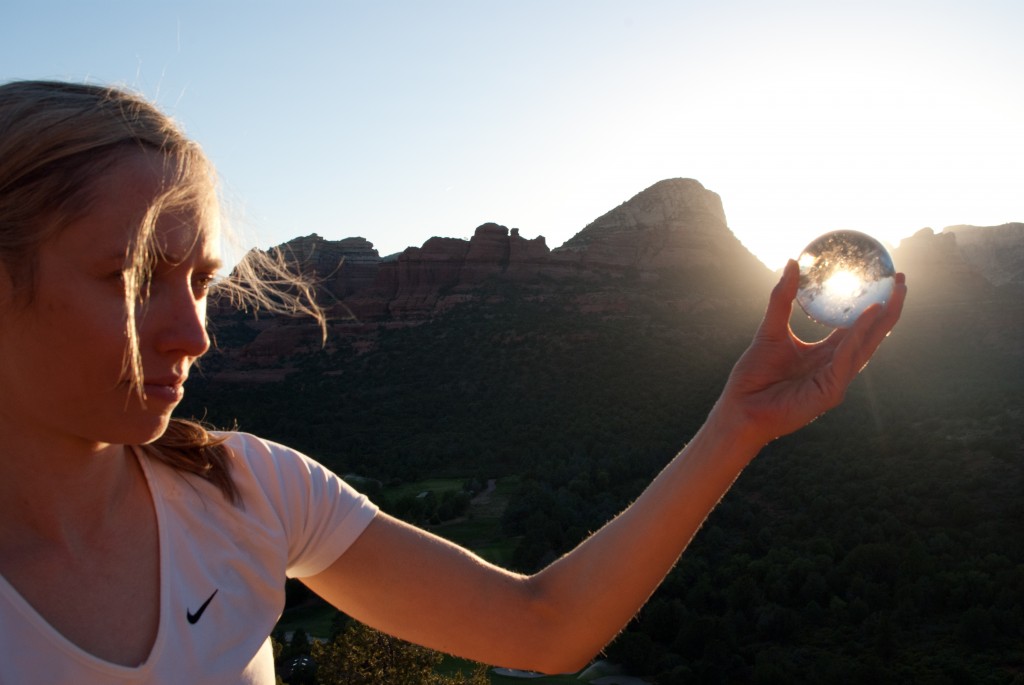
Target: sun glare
(843, 284)
(877, 144)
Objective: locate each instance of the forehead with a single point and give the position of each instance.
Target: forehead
(123, 196)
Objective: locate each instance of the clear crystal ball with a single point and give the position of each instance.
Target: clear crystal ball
(842, 273)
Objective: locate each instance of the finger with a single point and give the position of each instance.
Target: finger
(832, 339)
(780, 303)
(894, 308)
(868, 332)
(889, 316)
(854, 350)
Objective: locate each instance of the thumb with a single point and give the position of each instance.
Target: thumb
(780, 303)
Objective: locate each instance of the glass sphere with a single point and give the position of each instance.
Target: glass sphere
(842, 273)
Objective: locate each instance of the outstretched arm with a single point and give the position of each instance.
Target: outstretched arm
(419, 587)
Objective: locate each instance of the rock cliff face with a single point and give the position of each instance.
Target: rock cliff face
(344, 266)
(673, 227)
(669, 242)
(945, 277)
(674, 224)
(933, 262)
(962, 263)
(997, 252)
(430, 279)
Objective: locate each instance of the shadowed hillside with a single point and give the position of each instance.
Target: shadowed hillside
(884, 542)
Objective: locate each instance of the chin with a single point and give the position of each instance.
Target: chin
(142, 431)
(156, 433)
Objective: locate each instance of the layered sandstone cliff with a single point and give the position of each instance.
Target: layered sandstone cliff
(673, 223)
(674, 227)
(995, 251)
(670, 242)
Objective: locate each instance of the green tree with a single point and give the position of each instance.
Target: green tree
(277, 647)
(361, 654)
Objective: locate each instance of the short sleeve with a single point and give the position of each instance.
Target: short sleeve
(320, 513)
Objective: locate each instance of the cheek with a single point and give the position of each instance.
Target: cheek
(60, 309)
(93, 339)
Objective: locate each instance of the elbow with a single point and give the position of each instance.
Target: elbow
(561, 660)
(561, 640)
(555, 661)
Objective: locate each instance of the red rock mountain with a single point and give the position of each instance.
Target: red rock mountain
(995, 251)
(673, 225)
(670, 242)
(675, 228)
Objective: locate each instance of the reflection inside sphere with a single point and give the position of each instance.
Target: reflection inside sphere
(841, 274)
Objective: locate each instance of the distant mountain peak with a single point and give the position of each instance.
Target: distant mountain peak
(995, 251)
(672, 201)
(674, 225)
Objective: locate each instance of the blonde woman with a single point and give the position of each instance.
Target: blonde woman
(137, 547)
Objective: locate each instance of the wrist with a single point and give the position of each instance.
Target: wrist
(736, 428)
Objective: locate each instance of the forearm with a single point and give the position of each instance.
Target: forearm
(595, 589)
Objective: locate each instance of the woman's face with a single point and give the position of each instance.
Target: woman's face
(62, 354)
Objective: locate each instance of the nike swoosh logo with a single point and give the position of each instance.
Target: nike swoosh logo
(193, 618)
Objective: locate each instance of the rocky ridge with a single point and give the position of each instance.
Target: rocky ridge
(995, 251)
(673, 224)
(671, 239)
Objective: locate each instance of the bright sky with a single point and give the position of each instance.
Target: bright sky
(398, 121)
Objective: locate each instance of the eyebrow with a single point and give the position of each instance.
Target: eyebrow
(211, 263)
(112, 258)
(202, 263)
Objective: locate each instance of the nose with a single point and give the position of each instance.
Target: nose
(180, 327)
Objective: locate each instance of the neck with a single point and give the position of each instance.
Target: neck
(62, 491)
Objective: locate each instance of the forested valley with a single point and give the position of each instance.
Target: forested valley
(884, 543)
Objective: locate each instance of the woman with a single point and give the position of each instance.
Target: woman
(135, 547)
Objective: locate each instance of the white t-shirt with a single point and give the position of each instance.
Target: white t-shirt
(222, 573)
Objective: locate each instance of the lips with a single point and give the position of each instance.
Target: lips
(166, 388)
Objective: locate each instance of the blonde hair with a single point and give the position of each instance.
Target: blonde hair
(55, 139)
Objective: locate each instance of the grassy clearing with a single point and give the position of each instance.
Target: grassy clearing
(480, 530)
(316, 618)
(482, 537)
(435, 485)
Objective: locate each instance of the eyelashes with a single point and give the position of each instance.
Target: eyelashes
(202, 282)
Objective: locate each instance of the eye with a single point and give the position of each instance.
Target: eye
(201, 283)
(117, 278)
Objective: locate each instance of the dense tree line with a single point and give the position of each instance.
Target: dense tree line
(356, 654)
(883, 543)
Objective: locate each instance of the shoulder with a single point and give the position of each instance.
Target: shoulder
(288, 502)
(265, 459)
(247, 445)
(321, 512)
(288, 477)
(253, 449)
